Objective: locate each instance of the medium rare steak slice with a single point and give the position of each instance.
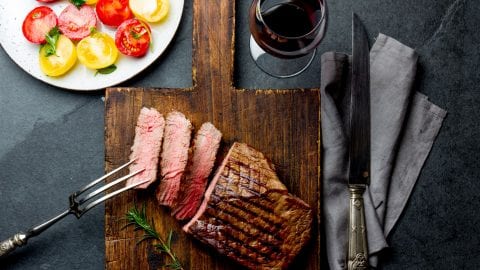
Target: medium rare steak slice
(146, 146)
(192, 187)
(248, 215)
(174, 157)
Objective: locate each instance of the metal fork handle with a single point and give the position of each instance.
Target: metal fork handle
(357, 234)
(21, 238)
(12, 243)
(76, 207)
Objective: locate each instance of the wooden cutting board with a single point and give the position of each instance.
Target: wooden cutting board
(283, 124)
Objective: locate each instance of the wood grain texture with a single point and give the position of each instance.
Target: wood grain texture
(283, 124)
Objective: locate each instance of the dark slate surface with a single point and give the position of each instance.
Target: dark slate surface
(51, 140)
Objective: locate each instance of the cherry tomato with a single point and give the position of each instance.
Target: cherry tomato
(133, 38)
(38, 23)
(76, 23)
(113, 12)
(91, 2)
(97, 51)
(150, 10)
(62, 61)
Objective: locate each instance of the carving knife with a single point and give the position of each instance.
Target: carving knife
(359, 147)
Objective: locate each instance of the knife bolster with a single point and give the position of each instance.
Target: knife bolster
(357, 233)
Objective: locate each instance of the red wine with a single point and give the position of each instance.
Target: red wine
(289, 28)
(289, 20)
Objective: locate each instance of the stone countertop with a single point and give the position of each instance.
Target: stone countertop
(51, 140)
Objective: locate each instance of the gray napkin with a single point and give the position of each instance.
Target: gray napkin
(404, 125)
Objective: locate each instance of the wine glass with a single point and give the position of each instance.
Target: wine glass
(285, 34)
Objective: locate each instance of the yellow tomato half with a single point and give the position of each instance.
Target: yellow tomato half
(150, 10)
(60, 62)
(97, 51)
(91, 2)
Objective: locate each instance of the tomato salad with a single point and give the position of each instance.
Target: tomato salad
(73, 35)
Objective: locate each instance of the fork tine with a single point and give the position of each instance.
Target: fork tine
(96, 181)
(109, 185)
(110, 195)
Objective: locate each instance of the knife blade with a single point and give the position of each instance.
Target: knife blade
(359, 146)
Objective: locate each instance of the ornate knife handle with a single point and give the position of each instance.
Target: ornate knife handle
(357, 234)
(12, 243)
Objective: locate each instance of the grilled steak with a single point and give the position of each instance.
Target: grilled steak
(174, 156)
(146, 146)
(248, 215)
(192, 187)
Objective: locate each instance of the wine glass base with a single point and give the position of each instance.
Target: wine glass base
(279, 67)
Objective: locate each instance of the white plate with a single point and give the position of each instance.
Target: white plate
(25, 54)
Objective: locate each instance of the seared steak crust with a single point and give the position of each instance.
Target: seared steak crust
(248, 214)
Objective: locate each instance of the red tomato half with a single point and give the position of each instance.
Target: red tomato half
(38, 23)
(133, 38)
(77, 23)
(113, 12)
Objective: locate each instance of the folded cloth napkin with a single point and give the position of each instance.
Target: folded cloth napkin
(404, 124)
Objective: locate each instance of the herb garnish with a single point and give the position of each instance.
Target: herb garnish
(52, 38)
(93, 30)
(139, 219)
(136, 35)
(78, 3)
(149, 34)
(106, 70)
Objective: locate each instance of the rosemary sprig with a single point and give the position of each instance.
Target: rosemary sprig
(139, 219)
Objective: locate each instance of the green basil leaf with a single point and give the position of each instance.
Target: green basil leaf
(93, 30)
(52, 37)
(78, 3)
(135, 35)
(106, 70)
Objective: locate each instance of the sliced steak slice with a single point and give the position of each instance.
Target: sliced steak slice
(146, 146)
(248, 215)
(192, 187)
(174, 156)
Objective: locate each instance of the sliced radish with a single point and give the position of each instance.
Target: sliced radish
(77, 23)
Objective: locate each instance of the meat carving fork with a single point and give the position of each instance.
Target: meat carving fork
(78, 205)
